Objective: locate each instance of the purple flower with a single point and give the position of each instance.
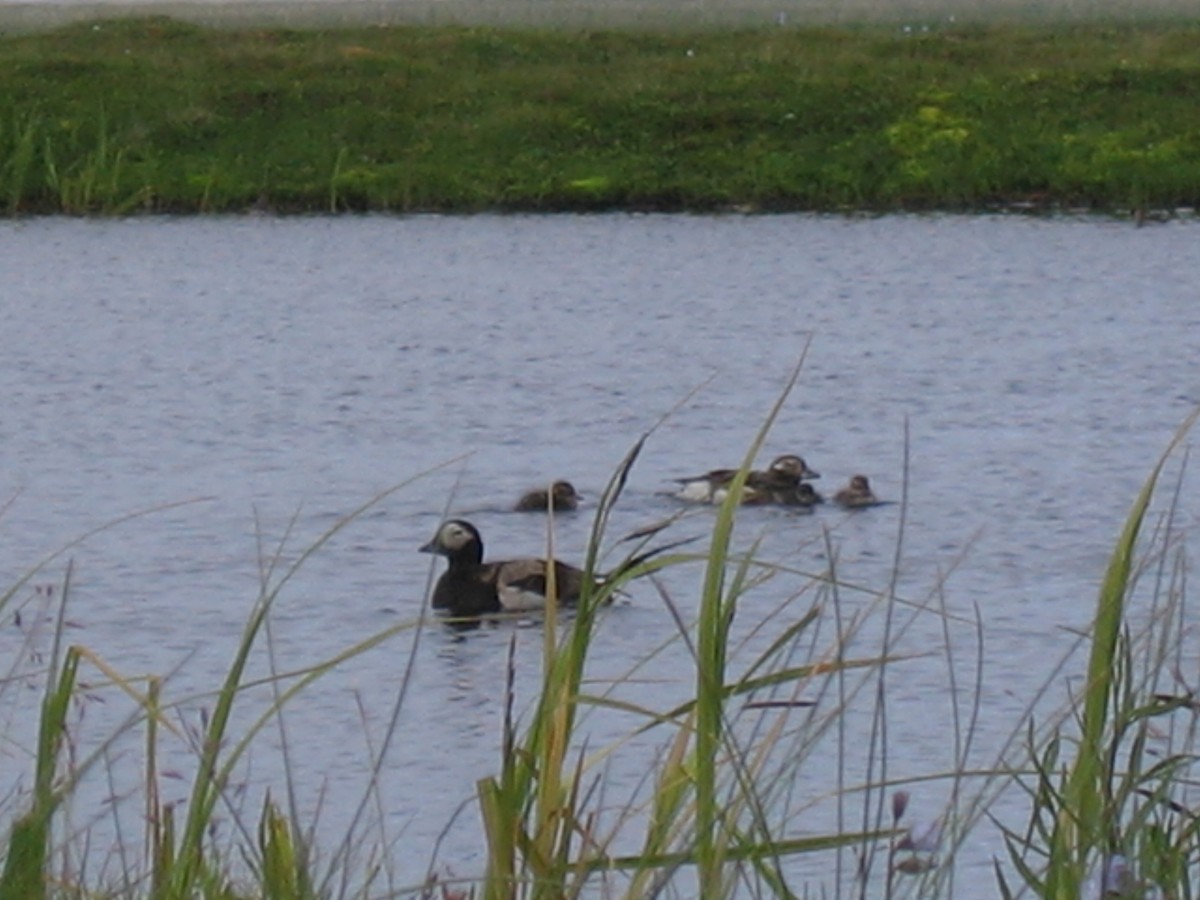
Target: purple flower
(899, 805)
(1117, 878)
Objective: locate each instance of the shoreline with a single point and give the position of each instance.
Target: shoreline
(680, 15)
(160, 116)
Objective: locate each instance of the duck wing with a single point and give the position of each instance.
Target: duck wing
(771, 480)
(522, 584)
(714, 477)
(703, 488)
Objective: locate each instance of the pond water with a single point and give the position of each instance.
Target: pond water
(278, 374)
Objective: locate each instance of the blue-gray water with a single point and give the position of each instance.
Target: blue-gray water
(909, 17)
(280, 373)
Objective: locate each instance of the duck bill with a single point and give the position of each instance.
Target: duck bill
(430, 547)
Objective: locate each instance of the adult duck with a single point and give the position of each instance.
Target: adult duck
(470, 587)
(785, 472)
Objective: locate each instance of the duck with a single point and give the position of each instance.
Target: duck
(784, 473)
(856, 494)
(561, 496)
(471, 588)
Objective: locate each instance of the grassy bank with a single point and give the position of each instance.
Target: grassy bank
(162, 116)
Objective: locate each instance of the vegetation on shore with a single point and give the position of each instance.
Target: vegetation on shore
(155, 115)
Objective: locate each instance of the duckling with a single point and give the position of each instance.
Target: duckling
(712, 487)
(471, 587)
(561, 496)
(856, 494)
(802, 494)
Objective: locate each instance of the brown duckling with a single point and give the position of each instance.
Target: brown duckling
(802, 494)
(856, 494)
(561, 496)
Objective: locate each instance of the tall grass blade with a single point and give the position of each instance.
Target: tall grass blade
(499, 803)
(213, 773)
(1082, 823)
(20, 162)
(284, 871)
(717, 608)
(25, 867)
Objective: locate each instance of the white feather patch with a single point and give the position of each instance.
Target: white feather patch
(700, 491)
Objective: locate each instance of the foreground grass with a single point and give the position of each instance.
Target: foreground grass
(1107, 779)
(161, 116)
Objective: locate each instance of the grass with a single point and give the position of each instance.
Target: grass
(1096, 809)
(158, 115)
(1106, 782)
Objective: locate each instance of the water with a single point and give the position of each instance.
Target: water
(279, 373)
(907, 16)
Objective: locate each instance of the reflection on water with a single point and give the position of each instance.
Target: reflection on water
(279, 373)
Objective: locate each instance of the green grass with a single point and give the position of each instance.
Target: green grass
(1118, 795)
(162, 116)
(1105, 781)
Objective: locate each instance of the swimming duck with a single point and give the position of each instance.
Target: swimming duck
(856, 494)
(561, 496)
(784, 473)
(471, 587)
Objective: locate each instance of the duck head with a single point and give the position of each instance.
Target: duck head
(807, 493)
(456, 539)
(792, 466)
(564, 494)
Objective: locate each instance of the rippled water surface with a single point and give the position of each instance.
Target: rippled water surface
(280, 373)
